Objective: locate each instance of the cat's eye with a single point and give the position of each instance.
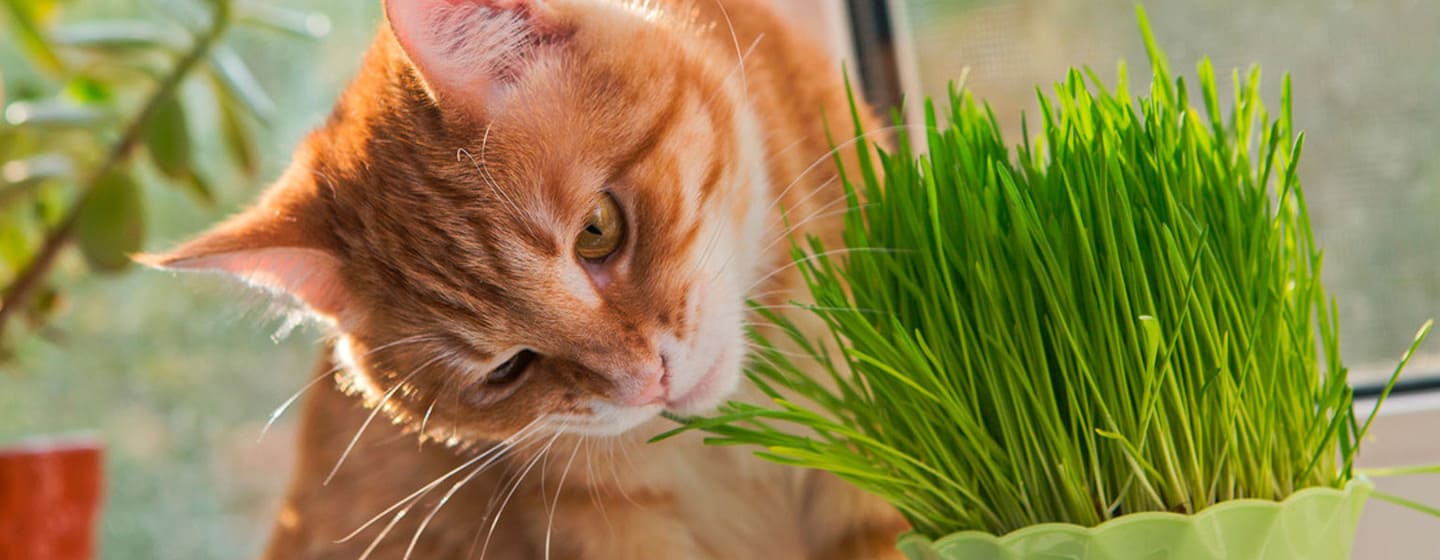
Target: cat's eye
(603, 232)
(511, 370)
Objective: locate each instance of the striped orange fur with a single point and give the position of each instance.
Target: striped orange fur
(432, 223)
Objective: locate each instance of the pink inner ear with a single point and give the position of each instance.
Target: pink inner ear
(468, 47)
(310, 275)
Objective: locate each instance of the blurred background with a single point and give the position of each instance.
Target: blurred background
(178, 375)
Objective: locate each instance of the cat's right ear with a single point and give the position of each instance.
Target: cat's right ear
(466, 50)
(278, 246)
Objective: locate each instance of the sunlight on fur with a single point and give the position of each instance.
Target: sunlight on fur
(494, 378)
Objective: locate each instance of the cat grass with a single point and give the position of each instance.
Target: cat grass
(1122, 314)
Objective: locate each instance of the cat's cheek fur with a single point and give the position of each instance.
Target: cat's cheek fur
(713, 386)
(710, 369)
(727, 272)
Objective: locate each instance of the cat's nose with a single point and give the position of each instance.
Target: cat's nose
(652, 386)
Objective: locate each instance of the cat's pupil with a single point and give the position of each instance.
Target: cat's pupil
(603, 231)
(512, 369)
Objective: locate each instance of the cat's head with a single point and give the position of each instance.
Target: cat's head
(521, 209)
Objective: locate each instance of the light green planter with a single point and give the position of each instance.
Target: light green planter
(1313, 524)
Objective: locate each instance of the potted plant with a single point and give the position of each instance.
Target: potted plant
(1111, 343)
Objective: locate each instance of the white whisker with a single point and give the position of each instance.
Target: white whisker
(829, 154)
(735, 250)
(709, 248)
(825, 210)
(445, 500)
(757, 349)
(768, 293)
(371, 418)
(739, 56)
(595, 497)
(280, 410)
(739, 68)
(388, 527)
(559, 488)
(454, 488)
(819, 213)
(809, 307)
(786, 149)
(619, 485)
(516, 486)
(522, 433)
(426, 420)
(784, 212)
(483, 168)
(819, 255)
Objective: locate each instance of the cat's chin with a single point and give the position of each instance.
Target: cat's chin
(609, 420)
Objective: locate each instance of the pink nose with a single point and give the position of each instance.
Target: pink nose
(653, 387)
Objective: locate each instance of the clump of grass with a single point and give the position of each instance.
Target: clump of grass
(1123, 315)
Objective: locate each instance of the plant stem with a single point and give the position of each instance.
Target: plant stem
(19, 292)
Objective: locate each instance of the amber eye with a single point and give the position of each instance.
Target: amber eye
(604, 230)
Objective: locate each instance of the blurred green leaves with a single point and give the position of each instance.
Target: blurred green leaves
(168, 140)
(237, 85)
(25, 16)
(118, 34)
(97, 115)
(112, 223)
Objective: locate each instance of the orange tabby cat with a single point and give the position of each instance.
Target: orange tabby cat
(532, 226)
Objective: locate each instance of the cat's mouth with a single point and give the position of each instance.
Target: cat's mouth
(706, 393)
(703, 395)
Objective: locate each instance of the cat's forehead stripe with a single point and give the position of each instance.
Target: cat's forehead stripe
(662, 124)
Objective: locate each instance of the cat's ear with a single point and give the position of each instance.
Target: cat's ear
(276, 245)
(468, 49)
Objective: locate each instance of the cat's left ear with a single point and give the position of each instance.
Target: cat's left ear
(466, 50)
(279, 245)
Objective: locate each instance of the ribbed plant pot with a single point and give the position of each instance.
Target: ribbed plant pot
(1312, 524)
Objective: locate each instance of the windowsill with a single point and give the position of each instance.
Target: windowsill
(1417, 391)
(1400, 403)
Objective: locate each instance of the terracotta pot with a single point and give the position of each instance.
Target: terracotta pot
(50, 493)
